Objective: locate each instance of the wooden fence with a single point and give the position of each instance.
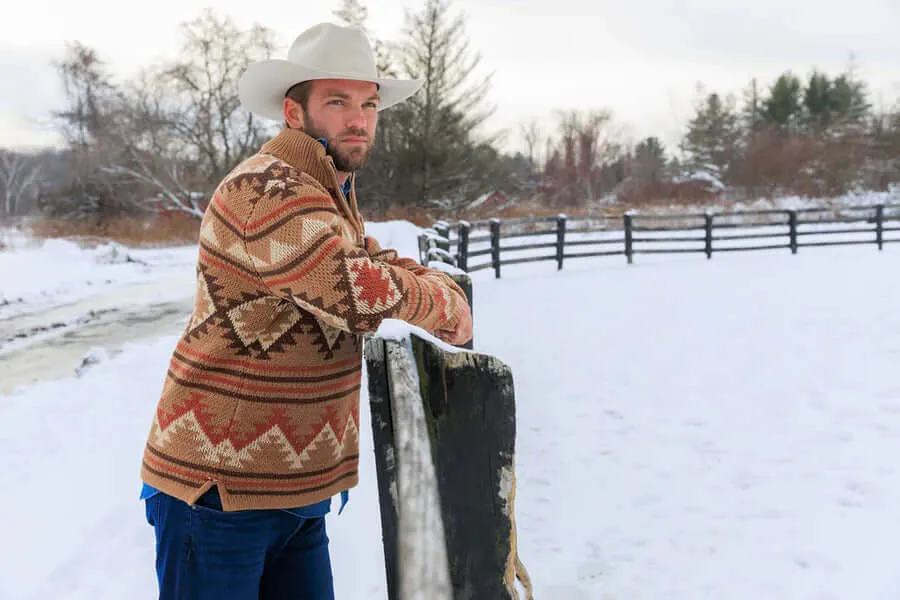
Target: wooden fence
(496, 243)
(444, 428)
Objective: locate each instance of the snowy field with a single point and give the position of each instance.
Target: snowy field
(687, 429)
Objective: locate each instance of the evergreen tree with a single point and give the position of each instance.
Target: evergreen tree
(649, 162)
(783, 107)
(712, 143)
(850, 98)
(435, 134)
(819, 101)
(752, 118)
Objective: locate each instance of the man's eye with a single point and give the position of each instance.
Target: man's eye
(371, 105)
(336, 102)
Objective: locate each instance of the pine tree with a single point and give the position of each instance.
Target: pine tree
(712, 143)
(752, 118)
(818, 101)
(649, 162)
(783, 107)
(850, 98)
(436, 132)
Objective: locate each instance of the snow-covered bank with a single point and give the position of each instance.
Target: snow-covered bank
(58, 271)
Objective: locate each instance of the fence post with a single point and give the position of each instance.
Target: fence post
(629, 243)
(443, 230)
(467, 401)
(423, 249)
(560, 240)
(462, 250)
(415, 548)
(792, 219)
(709, 235)
(495, 246)
(879, 226)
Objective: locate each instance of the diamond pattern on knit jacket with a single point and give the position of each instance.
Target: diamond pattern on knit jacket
(262, 392)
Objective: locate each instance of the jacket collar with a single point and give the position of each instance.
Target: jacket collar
(306, 153)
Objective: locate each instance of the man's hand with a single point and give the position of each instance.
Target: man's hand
(463, 331)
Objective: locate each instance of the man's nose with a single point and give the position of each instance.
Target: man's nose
(357, 120)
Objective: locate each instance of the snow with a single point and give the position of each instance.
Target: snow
(60, 271)
(685, 429)
(401, 331)
(449, 269)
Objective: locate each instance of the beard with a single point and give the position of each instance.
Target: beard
(346, 159)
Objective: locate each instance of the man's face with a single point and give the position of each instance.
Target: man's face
(344, 112)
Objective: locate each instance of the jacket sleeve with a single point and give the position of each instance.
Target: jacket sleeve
(299, 254)
(392, 257)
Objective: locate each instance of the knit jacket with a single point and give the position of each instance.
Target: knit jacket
(262, 393)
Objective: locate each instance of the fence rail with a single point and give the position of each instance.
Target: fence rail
(496, 243)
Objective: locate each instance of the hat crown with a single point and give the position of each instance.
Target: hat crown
(332, 48)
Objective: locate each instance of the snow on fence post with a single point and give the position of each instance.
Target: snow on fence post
(444, 428)
(462, 250)
(443, 230)
(560, 240)
(879, 226)
(495, 246)
(709, 235)
(792, 221)
(629, 238)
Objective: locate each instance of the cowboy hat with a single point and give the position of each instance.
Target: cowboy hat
(324, 51)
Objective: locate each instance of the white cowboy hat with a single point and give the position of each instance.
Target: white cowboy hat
(324, 51)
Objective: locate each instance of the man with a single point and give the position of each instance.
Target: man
(257, 425)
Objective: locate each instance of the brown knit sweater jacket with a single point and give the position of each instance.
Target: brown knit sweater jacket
(262, 393)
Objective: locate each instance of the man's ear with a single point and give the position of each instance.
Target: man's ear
(293, 114)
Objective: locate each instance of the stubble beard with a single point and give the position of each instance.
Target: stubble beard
(346, 160)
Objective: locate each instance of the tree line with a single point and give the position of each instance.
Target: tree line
(161, 140)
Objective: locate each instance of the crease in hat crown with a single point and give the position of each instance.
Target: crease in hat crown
(315, 47)
(324, 51)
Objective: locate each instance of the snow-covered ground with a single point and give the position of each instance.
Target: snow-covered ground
(686, 429)
(54, 272)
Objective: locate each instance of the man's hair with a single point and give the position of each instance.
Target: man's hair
(299, 93)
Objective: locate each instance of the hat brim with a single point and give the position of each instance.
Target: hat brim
(262, 87)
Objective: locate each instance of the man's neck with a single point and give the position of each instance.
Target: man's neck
(342, 177)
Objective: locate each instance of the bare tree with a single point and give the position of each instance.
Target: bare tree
(531, 135)
(198, 95)
(352, 13)
(589, 153)
(19, 178)
(164, 139)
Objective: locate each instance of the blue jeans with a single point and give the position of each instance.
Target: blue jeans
(204, 553)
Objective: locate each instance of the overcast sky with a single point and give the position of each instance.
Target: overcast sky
(640, 58)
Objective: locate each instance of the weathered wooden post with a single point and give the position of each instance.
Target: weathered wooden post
(467, 403)
(792, 222)
(495, 247)
(629, 243)
(879, 226)
(560, 241)
(462, 250)
(709, 235)
(415, 551)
